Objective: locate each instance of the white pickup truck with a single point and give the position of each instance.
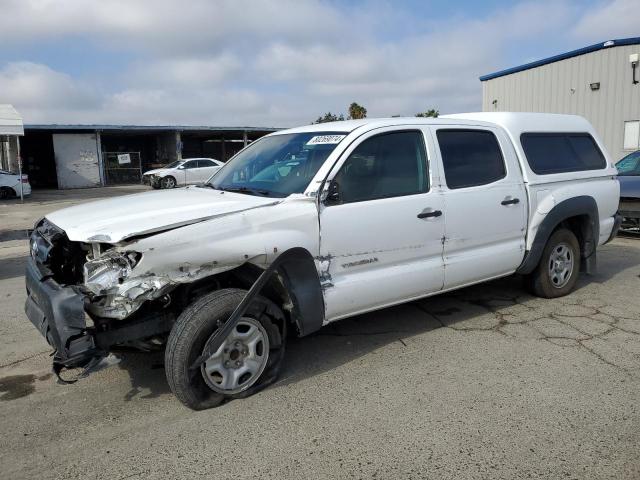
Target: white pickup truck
(314, 224)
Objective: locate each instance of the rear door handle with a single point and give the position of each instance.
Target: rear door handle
(510, 201)
(431, 213)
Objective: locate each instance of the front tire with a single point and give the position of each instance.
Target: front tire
(557, 273)
(241, 366)
(168, 182)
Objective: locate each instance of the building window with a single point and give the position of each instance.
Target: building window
(631, 135)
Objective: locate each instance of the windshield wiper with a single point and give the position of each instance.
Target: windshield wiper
(250, 191)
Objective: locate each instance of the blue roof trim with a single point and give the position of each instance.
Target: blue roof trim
(556, 58)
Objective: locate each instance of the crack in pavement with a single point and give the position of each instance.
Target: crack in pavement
(16, 362)
(497, 304)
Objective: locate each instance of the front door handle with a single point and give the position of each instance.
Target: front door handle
(431, 213)
(510, 201)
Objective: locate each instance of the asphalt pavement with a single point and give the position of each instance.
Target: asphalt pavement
(485, 382)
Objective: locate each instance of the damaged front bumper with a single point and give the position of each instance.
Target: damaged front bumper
(58, 313)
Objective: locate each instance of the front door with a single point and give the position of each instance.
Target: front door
(485, 201)
(381, 225)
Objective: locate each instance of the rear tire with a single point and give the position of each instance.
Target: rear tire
(193, 329)
(6, 192)
(557, 273)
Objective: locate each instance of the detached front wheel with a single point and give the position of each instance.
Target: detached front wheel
(248, 360)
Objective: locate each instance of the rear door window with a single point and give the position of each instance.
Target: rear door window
(549, 153)
(470, 157)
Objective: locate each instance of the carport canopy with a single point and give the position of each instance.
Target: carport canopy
(10, 121)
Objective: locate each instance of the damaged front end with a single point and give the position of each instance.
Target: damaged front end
(77, 297)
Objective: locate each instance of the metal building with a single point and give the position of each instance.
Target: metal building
(599, 82)
(81, 156)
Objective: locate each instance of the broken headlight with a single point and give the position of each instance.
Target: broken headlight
(109, 270)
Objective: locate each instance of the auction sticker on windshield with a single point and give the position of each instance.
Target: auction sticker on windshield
(325, 139)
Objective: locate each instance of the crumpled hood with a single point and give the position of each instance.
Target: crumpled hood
(116, 219)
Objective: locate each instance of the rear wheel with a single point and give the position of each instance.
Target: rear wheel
(557, 273)
(248, 360)
(168, 182)
(6, 192)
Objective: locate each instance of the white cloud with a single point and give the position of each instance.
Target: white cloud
(170, 26)
(183, 72)
(266, 62)
(609, 20)
(39, 92)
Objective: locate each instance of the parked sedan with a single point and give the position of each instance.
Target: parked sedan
(10, 185)
(182, 172)
(629, 176)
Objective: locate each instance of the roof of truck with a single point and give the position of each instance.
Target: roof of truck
(515, 122)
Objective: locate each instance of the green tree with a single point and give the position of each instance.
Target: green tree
(357, 112)
(429, 113)
(329, 117)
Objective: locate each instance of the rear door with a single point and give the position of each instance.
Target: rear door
(485, 204)
(193, 171)
(381, 229)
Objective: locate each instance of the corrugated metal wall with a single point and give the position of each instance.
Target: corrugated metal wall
(563, 87)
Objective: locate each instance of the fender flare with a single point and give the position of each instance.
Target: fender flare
(296, 267)
(297, 270)
(572, 207)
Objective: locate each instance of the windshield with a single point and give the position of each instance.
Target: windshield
(173, 164)
(629, 165)
(278, 165)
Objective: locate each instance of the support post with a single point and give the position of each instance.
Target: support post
(19, 169)
(103, 176)
(178, 146)
(245, 139)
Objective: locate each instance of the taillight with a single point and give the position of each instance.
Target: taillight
(25, 178)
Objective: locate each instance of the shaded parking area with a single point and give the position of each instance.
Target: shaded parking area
(484, 382)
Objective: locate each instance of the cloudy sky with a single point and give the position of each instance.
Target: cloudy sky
(276, 62)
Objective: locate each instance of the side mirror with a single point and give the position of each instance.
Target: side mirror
(332, 194)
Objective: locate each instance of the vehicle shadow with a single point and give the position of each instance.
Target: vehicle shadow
(614, 258)
(146, 374)
(483, 307)
(12, 267)
(477, 308)
(18, 234)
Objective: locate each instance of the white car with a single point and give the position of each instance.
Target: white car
(189, 171)
(10, 185)
(311, 225)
